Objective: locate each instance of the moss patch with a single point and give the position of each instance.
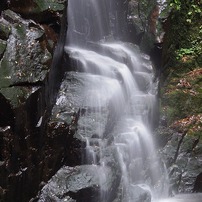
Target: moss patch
(54, 5)
(17, 95)
(181, 100)
(4, 31)
(26, 57)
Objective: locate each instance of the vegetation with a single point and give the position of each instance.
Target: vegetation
(182, 92)
(184, 40)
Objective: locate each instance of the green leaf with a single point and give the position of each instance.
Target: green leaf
(188, 20)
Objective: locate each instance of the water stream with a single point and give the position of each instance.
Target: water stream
(120, 81)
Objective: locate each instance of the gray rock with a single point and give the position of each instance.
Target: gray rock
(72, 100)
(26, 59)
(67, 184)
(2, 47)
(183, 158)
(5, 29)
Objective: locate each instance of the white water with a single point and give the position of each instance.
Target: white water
(120, 75)
(184, 198)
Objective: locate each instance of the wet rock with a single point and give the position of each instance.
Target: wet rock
(2, 47)
(136, 193)
(39, 10)
(80, 183)
(182, 154)
(26, 55)
(6, 147)
(36, 6)
(55, 5)
(17, 95)
(81, 104)
(5, 29)
(140, 194)
(25, 59)
(75, 130)
(60, 148)
(79, 112)
(51, 37)
(18, 143)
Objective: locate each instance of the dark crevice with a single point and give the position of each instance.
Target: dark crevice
(6, 113)
(87, 194)
(198, 184)
(28, 84)
(195, 143)
(178, 146)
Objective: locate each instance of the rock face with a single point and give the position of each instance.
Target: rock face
(75, 184)
(26, 56)
(78, 182)
(183, 157)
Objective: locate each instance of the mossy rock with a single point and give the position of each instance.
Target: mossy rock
(54, 5)
(4, 30)
(2, 47)
(39, 10)
(17, 96)
(26, 58)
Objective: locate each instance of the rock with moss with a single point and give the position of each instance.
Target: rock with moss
(54, 5)
(5, 29)
(26, 58)
(39, 10)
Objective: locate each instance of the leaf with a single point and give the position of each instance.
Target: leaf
(188, 20)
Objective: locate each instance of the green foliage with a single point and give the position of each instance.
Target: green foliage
(175, 4)
(141, 9)
(185, 31)
(182, 96)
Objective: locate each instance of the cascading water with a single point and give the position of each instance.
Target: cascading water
(119, 104)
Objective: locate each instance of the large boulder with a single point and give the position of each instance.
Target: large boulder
(80, 183)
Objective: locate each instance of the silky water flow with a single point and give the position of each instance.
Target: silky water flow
(120, 102)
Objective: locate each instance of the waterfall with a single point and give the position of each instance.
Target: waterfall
(119, 105)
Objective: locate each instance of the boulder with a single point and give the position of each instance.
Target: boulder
(182, 155)
(80, 183)
(26, 58)
(39, 10)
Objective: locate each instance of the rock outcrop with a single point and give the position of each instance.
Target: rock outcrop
(26, 65)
